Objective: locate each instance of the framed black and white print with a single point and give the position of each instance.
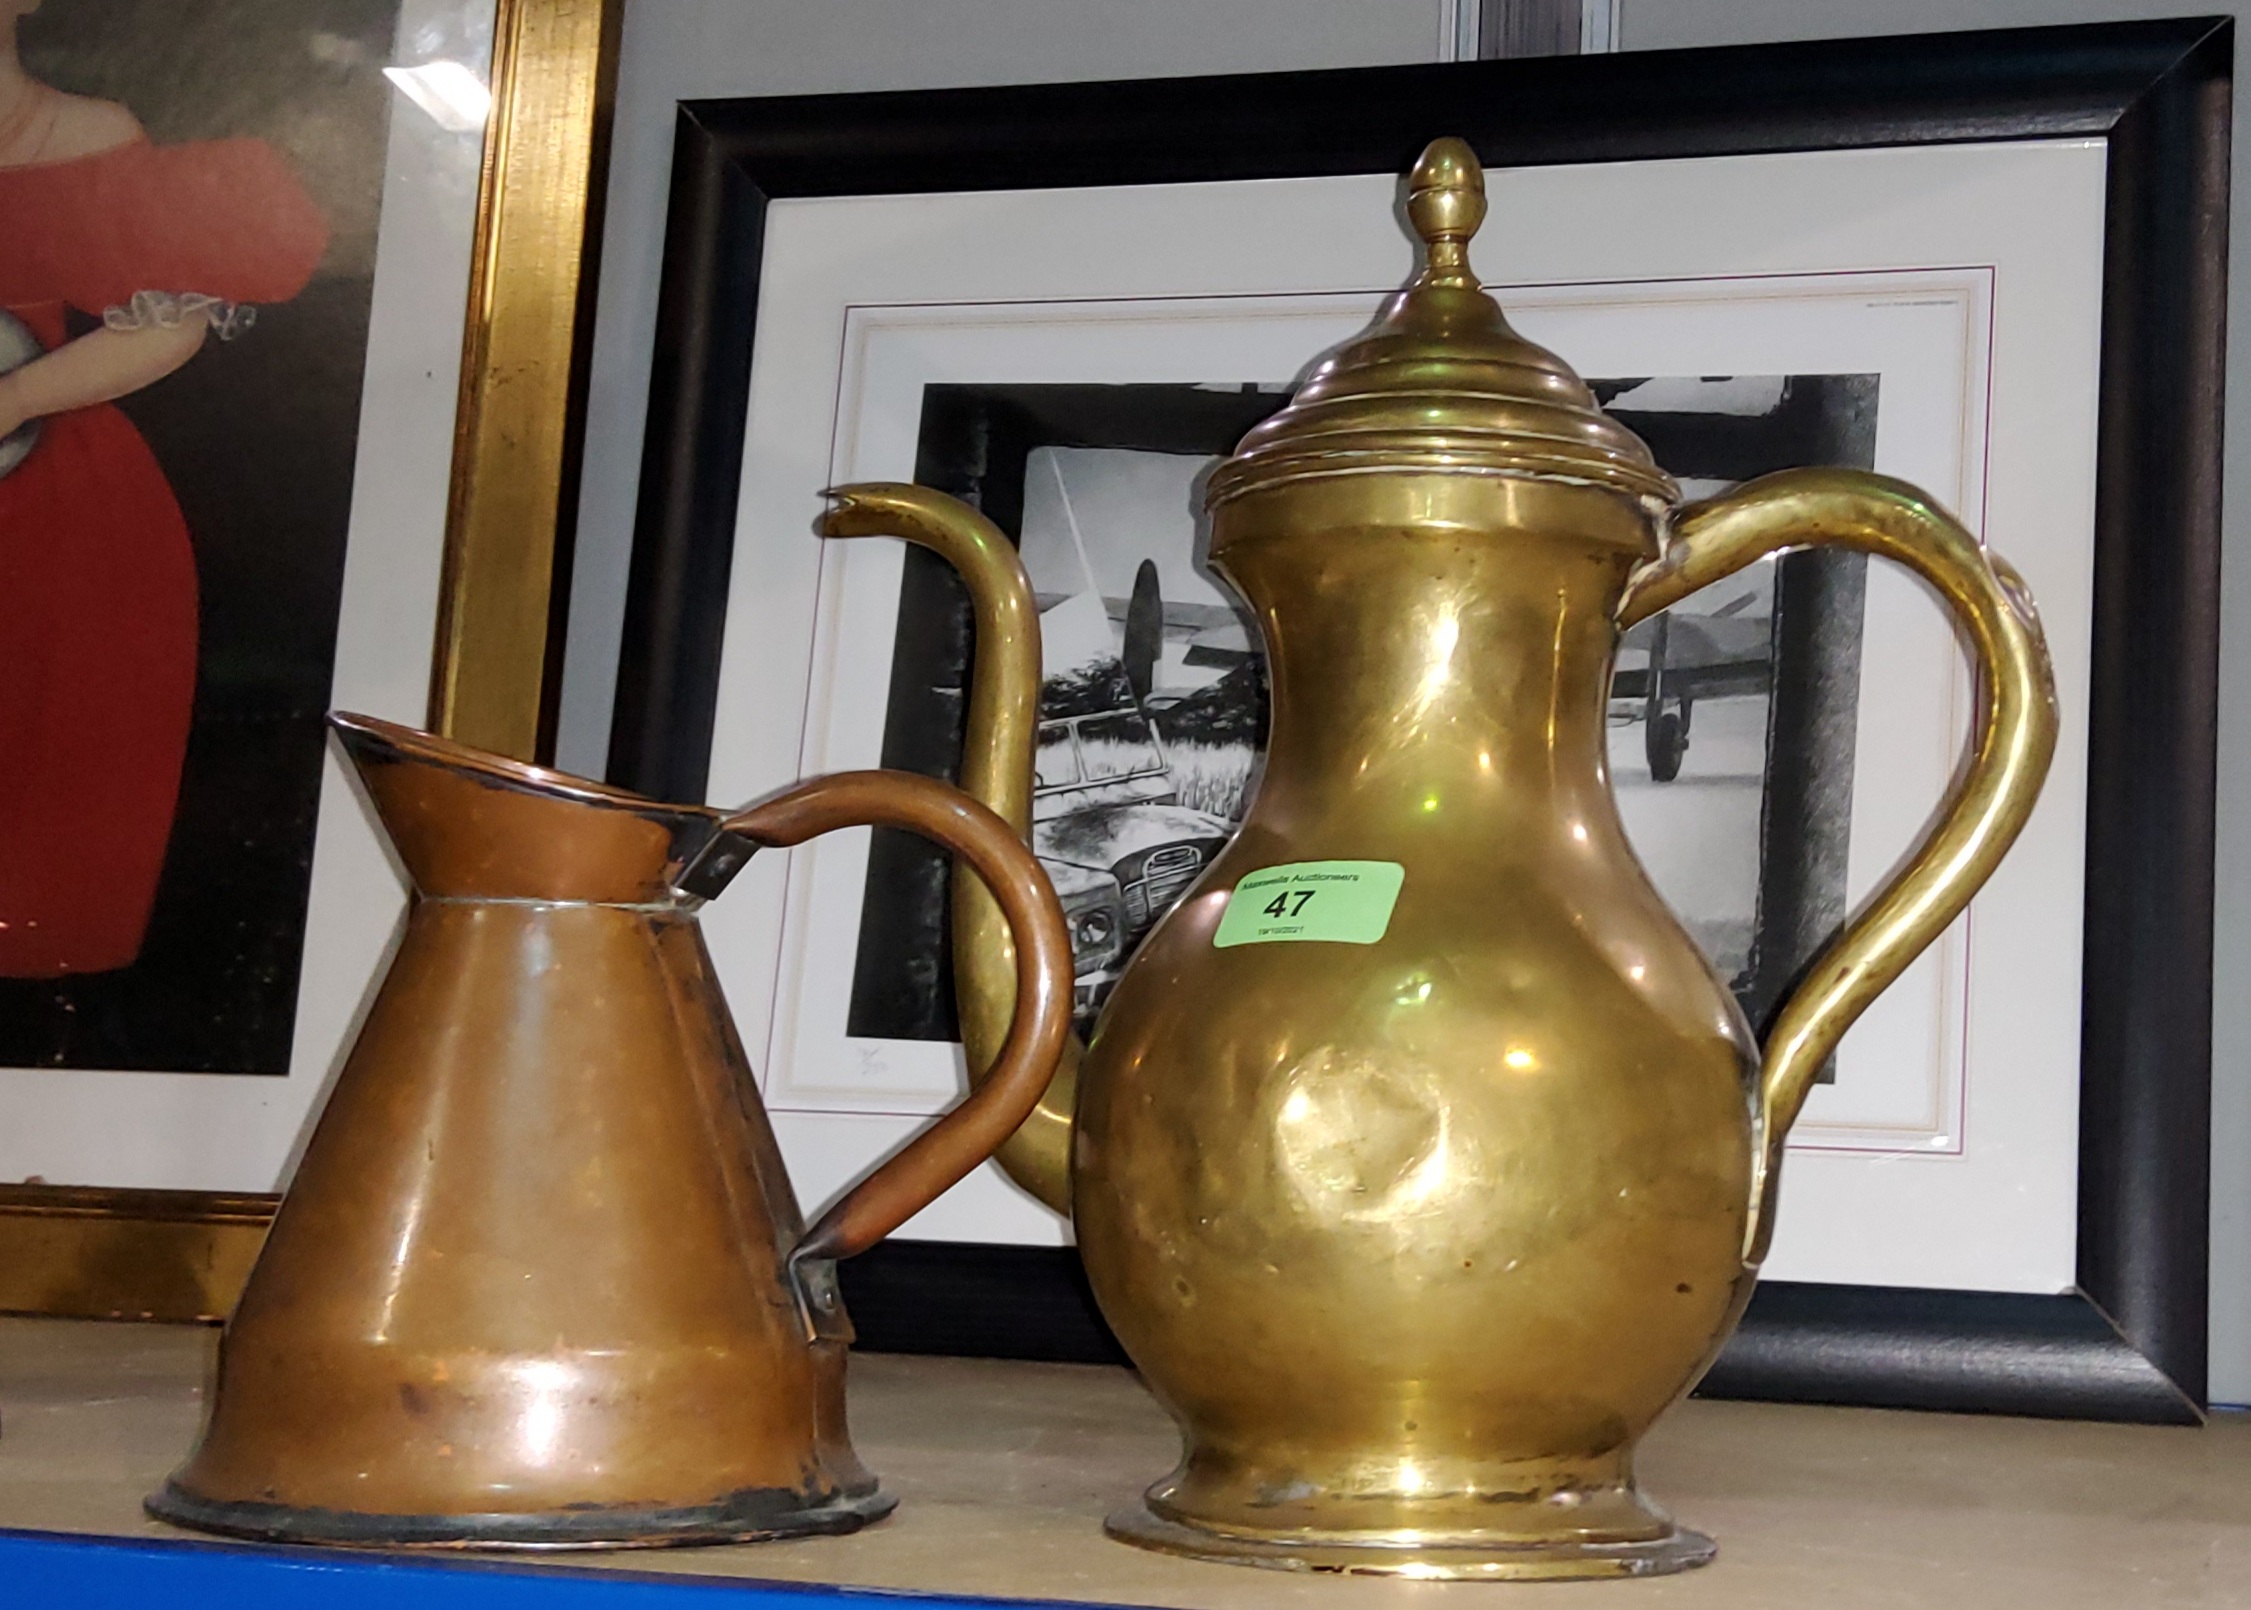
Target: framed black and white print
(1988, 264)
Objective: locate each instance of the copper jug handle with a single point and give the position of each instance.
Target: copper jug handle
(942, 1155)
(1984, 811)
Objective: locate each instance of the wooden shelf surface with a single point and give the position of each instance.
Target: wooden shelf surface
(1004, 1472)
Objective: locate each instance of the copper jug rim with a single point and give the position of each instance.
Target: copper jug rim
(419, 745)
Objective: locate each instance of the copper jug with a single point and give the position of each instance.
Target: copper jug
(1419, 1159)
(540, 1279)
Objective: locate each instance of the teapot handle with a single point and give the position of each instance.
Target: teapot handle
(943, 1154)
(1988, 804)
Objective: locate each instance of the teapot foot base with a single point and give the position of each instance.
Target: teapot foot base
(1679, 1549)
(756, 1515)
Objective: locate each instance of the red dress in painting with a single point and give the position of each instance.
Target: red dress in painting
(97, 578)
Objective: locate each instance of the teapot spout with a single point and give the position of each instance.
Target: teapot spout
(996, 771)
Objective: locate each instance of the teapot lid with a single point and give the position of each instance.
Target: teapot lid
(1441, 383)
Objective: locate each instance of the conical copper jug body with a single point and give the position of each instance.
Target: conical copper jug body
(1419, 1159)
(541, 1279)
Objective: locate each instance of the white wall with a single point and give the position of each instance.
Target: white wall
(1663, 24)
(677, 50)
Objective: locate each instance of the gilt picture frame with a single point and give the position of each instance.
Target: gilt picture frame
(2124, 1336)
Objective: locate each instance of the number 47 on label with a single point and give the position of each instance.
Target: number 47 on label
(1340, 902)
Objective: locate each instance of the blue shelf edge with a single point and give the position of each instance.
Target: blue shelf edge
(87, 1572)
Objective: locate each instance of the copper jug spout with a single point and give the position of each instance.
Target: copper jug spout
(541, 1279)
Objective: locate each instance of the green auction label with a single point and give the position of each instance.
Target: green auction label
(1343, 902)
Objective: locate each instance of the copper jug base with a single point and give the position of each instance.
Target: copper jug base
(755, 1515)
(1507, 1557)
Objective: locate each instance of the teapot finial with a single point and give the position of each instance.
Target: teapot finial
(1446, 203)
(1440, 384)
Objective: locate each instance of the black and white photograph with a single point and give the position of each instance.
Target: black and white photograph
(1731, 715)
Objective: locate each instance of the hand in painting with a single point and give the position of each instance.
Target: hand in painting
(97, 368)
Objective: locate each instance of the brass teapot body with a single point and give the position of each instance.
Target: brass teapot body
(540, 1280)
(1417, 1224)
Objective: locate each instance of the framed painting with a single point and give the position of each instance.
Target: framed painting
(1991, 263)
(256, 291)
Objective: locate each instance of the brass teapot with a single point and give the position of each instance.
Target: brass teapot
(1419, 1159)
(540, 1280)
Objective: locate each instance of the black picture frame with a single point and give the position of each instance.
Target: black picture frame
(2128, 1342)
